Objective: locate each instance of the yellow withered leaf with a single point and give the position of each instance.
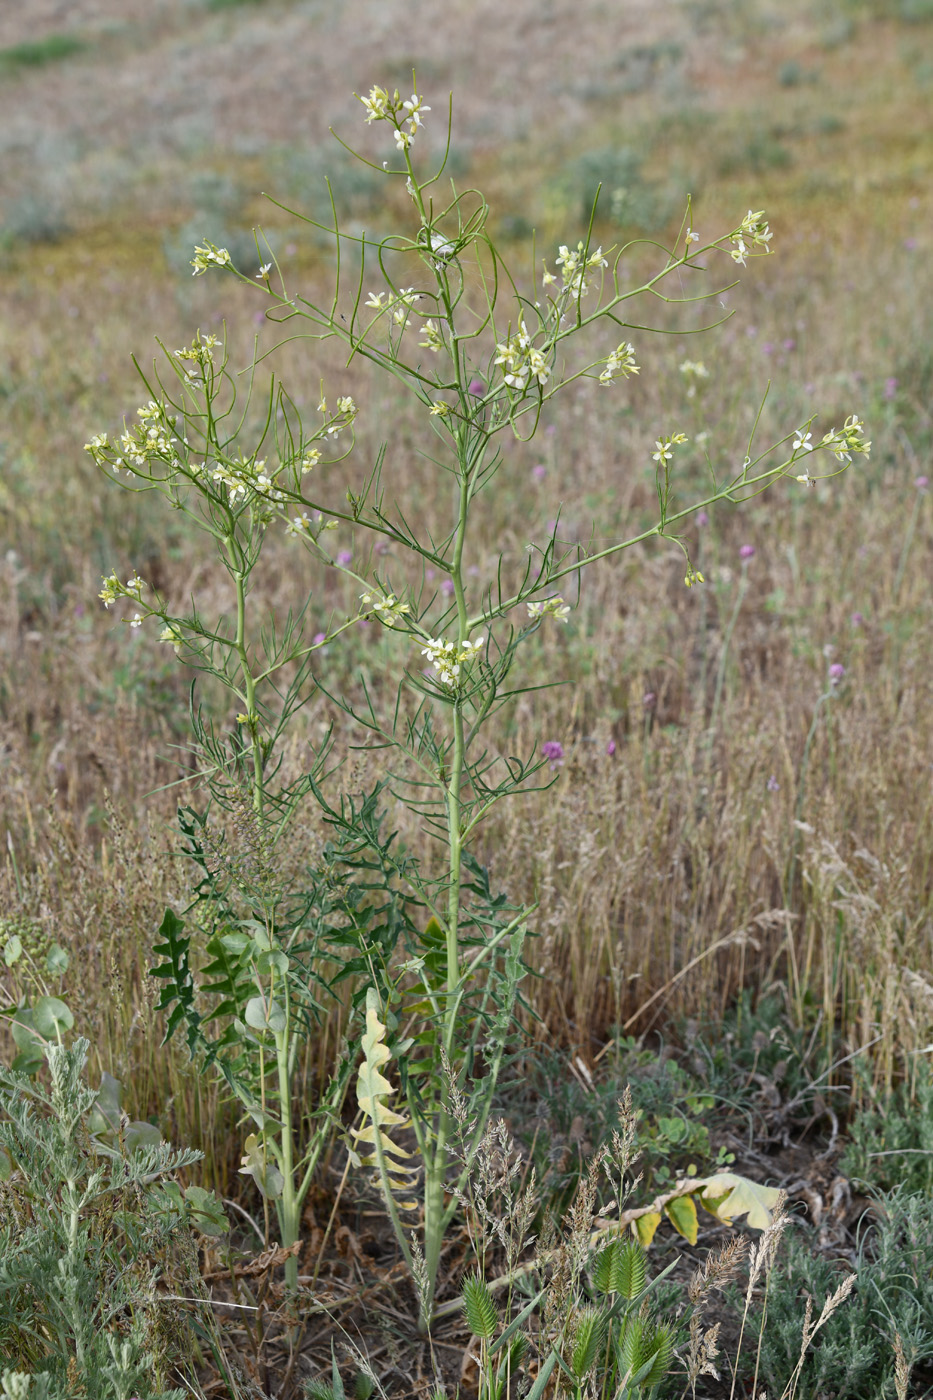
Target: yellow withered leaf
(682, 1213)
(728, 1195)
(644, 1227)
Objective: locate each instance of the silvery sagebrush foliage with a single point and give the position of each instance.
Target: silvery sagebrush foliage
(436, 968)
(99, 1277)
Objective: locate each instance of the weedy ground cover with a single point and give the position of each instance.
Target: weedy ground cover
(739, 774)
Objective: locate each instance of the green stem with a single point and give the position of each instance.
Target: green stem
(240, 576)
(289, 1205)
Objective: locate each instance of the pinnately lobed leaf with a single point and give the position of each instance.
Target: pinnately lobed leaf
(728, 1195)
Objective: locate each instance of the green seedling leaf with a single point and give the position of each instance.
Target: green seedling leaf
(728, 1195)
(57, 961)
(12, 950)
(265, 1173)
(207, 1212)
(682, 1213)
(265, 1015)
(645, 1227)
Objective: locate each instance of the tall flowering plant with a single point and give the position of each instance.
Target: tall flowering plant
(436, 953)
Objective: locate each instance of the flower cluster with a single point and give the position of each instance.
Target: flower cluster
(447, 660)
(200, 350)
(550, 607)
(398, 305)
(199, 354)
(433, 340)
(335, 423)
(621, 361)
(841, 442)
(308, 526)
(694, 371)
(693, 576)
(521, 361)
(148, 441)
(574, 264)
(209, 256)
(386, 606)
(664, 445)
(754, 234)
(406, 116)
(114, 589)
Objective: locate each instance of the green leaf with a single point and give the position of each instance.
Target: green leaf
(12, 949)
(52, 1017)
(270, 959)
(57, 961)
(207, 1212)
(104, 1117)
(682, 1213)
(236, 942)
(265, 1015)
(178, 994)
(139, 1134)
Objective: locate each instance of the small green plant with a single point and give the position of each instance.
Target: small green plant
(33, 53)
(96, 1243)
(431, 950)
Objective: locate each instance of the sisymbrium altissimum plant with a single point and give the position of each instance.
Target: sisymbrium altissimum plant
(435, 954)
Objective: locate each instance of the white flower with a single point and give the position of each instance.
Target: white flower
(802, 443)
(663, 454)
(264, 270)
(209, 256)
(136, 620)
(549, 607)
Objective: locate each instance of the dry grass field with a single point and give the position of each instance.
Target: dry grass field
(733, 868)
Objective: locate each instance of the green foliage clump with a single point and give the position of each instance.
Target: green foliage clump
(891, 1143)
(887, 1313)
(33, 53)
(96, 1242)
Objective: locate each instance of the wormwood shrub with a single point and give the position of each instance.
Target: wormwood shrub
(96, 1245)
(882, 1340)
(431, 952)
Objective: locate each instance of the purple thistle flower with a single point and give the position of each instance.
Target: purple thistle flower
(702, 518)
(772, 784)
(318, 638)
(539, 472)
(344, 557)
(890, 389)
(857, 619)
(611, 747)
(477, 388)
(649, 699)
(553, 751)
(789, 343)
(921, 482)
(747, 551)
(836, 672)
